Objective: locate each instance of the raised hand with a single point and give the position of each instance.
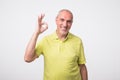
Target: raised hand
(42, 26)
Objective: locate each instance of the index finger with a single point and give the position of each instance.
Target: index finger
(41, 17)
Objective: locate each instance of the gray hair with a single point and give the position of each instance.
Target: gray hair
(66, 10)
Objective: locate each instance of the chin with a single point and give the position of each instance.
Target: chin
(64, 32)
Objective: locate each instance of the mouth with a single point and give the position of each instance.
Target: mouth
(63, 28)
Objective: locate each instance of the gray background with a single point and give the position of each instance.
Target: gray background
(97, 22)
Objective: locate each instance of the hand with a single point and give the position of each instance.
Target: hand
(42, 26)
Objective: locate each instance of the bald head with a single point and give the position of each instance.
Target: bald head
(65, 10)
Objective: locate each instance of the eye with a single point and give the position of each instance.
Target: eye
(69, 21)
(62, 20)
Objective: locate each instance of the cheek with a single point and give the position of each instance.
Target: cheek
(58, 24)
(69, 26)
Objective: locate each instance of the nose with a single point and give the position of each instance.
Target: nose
(65, 23)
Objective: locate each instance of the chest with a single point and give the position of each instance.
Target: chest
(61, 51)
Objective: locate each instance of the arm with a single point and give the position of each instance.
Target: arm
(83, 72)
(30, 54)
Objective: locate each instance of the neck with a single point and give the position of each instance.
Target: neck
(61, 36)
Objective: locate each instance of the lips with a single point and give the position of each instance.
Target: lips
(63, 28)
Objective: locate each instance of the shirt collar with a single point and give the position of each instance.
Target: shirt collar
(55, 36)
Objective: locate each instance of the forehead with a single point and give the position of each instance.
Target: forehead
(65, 15)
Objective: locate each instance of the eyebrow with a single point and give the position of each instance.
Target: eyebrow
(62, 19)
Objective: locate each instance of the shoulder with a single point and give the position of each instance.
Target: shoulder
(47, 37)
(75, 38)
(44, 40)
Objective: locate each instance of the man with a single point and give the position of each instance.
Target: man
(63, 52)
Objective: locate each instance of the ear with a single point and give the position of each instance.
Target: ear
(56, 19)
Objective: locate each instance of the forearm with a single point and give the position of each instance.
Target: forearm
(83, 72)
(30, 49)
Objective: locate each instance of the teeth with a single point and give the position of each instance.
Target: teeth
(64, 28)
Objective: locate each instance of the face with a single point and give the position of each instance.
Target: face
(64, 22)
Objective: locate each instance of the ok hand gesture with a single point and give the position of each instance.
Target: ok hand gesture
(42, 26)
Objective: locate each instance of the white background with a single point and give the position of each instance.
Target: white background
(97, 22)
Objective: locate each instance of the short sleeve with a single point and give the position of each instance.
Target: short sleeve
(39, 47)
(81, 55)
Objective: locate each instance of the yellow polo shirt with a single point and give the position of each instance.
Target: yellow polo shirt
(61, 58)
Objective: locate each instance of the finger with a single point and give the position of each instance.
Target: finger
(45, 25)
(40, 19)
(42, 15)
